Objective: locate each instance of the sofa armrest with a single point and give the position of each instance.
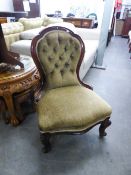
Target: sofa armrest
(88, 34)
(9, 39)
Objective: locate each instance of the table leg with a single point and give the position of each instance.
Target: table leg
(10, 107)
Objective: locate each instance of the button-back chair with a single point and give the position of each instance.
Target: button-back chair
(64, 103)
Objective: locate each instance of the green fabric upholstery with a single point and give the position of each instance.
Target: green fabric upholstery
(59, 53)
(72, 108)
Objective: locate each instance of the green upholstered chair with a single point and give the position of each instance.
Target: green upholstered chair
(64, 104)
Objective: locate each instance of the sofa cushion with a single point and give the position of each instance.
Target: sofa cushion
(51, 20)
(30, 34)
(31, 23)
(22, 47)
(12, 27)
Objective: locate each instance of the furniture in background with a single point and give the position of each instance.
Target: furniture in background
(129, 42)
(15, 15)
(3, 20)
(93, 16)
(119, 26)
(33, 11)
(127, 24)
(80, 22)
(14, 85)
(64, 103)
(18, 37)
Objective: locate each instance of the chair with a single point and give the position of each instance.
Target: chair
(94, 17)
(64, 103)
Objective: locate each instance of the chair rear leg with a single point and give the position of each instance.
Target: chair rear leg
(45, 140)
(103, 126)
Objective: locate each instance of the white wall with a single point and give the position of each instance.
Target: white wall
(6, 5)
(81, 8)
(84, 7)
(128, 2)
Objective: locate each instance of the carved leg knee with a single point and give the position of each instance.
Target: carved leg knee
(45, 139)
(103, 126)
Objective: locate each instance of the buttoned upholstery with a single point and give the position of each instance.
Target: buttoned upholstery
(59, 53)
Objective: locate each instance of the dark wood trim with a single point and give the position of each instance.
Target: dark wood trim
(13, 14)
(45, 137)
(3, 20)
(80, 22)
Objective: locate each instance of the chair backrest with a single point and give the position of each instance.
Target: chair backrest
(92, 16)
(58, 53)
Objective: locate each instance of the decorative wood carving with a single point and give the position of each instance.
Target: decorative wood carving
(18, 82)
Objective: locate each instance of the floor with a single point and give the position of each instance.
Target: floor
(20, 147)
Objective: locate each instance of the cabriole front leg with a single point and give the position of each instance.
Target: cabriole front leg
(45, 140)
(104, 124)
(10, 106)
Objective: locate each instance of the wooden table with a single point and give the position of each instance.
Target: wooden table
(80, 22)
(18, 82)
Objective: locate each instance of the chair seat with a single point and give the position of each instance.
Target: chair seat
(73, 108)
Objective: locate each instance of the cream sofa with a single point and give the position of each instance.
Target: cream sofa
(18, 37)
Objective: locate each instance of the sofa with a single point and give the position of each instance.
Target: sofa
(18, 37)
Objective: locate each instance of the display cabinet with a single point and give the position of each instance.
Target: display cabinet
(126, 25)
(80, 22)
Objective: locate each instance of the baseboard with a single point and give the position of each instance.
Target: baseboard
(103, 67)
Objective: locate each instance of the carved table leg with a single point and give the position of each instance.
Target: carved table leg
(103, 126)
(10, 106)
(3, 111)
(45, 139)
(19, 99)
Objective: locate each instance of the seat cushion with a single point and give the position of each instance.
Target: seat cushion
(72, 108)
(30, 34)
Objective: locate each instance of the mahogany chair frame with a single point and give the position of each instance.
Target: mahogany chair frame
(45, 137)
